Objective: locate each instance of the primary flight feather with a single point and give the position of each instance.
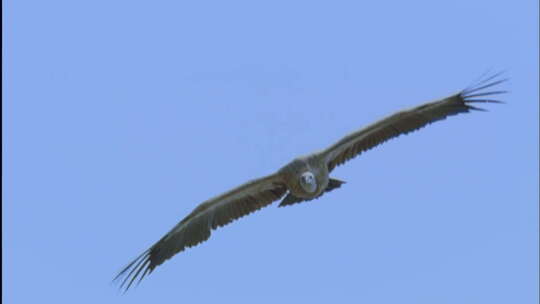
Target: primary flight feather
(303, 179)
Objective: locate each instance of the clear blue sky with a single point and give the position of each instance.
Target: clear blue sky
(121, 116)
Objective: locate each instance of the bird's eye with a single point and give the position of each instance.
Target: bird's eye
(308, 182)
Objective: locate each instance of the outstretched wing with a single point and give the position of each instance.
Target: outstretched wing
(410, 120)
(197, 226)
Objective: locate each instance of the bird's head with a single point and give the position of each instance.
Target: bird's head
(308, 182)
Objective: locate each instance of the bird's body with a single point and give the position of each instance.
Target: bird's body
(293, 170)
(303, 179)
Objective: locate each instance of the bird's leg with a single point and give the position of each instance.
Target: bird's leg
(333, 184)
(291, 199)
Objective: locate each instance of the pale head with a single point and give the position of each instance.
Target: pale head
(308, 182)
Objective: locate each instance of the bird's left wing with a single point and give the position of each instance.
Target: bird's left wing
(407, 121)
(196, 227)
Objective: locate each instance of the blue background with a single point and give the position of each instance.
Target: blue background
(121, 116)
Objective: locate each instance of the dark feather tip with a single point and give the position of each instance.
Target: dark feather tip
(476, 109)
(477, 92)
(129, 274)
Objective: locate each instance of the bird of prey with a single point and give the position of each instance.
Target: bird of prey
(303, 179)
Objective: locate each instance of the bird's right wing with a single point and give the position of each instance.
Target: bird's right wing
(196, 227)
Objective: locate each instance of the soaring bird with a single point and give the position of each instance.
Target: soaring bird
(303, 179)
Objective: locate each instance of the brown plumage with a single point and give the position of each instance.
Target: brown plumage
(304, 179)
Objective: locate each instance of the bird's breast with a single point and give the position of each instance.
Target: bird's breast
(293, 171)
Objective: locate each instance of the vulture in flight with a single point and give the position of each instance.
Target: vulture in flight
(303, 179)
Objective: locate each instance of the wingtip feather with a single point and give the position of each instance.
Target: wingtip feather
(475, 93)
